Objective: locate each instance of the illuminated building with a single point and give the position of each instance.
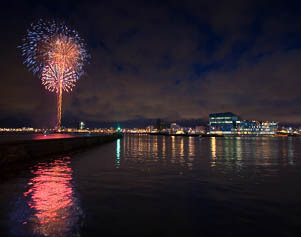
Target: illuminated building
(81, 125)
(230, 124)
(269, 128)
(255, 128)
(200, 129)
(174, 128)
(150, 128)
(222, 123)
(247, 127)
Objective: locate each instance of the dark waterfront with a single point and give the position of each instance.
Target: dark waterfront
(145, 185)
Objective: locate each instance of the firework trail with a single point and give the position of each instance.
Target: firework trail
(56, 54)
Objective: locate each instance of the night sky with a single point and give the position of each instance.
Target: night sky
(160, 59)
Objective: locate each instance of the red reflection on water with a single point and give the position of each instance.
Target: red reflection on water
(51, 136)
(51, 197)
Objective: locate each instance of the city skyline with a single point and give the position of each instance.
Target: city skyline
(143, 123)
(149, 60)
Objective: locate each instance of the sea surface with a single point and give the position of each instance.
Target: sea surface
(147, 185)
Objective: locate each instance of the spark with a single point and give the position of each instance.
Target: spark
(56, 54)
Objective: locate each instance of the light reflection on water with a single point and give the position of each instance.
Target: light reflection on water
(213, 151)
(209, 186)
(225, 153)
(146, 150)
(117, 153)
(258, 151)
(49, 207)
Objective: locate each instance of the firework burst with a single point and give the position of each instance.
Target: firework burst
(56, 54)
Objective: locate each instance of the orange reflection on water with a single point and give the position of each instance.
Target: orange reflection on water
(213, 151)
(163, 147)
(173, 149)
(191, 147)
(51, 198)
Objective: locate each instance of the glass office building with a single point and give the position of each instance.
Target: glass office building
(230, 124)
(222, 123)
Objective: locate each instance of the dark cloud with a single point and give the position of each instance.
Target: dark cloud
(168, 59)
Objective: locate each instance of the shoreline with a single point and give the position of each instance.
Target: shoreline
(216, 135)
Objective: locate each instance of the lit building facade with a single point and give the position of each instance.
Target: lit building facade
(246, 127)
(150, 128)
(269, 128)
(81, 125)
(200, 129)
(230, 124)
(222, 123)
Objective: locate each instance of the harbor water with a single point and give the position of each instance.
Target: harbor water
(147, 185)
